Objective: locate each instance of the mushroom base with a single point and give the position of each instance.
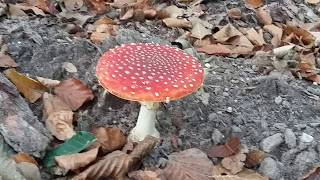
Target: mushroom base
(146, 123)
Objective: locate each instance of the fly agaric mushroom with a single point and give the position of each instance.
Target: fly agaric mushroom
(148, 73)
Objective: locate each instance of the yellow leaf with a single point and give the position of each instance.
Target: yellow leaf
(31, 89)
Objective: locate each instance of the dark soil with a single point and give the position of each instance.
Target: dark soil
(235, 100)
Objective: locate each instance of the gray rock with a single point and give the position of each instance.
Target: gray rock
(270, 143)
(270, 168)
(18, 125)
(281, 126)
(217, 136)
(290, 138)
(213, 117)
(278, 100)
(306, 138)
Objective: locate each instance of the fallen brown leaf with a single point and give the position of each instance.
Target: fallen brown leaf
(110, 139)
(49, 83)
(231, 147)
(127, 14)
(253, 3)
(73, 5)
(175, 22)
(145, 175)
(254, 158)
(264, 16)
(215, 49)
(312, 1)
(234, 163)
(104, 20)
(199, 31)
(24, 157)
(97, 6)
(171, 12)
(58, 117)
(314, 174)
(77, 160)
(190, 164)
(7, 61)
(74, 93)
(17, 10)
(276, 32)
(235, 13)
(220, 173)
(305, 37)
(255, 37)
(31, 89)
(117, 164)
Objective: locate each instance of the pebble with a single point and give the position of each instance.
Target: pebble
(306, 138)
(225, 94)
(278, 100)
(229, 109)
(270, 143)
(270, 168)
(290, 138)
(217, 137)
(281, 126)
(213, 117)
(69, 67)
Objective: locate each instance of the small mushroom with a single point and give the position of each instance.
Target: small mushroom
(148, 73)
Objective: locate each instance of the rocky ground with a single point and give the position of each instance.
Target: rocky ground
(272, 112)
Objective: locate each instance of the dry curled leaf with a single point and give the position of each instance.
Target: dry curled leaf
(305, 37)
(24, 157)
(276, 32)
(253, 3)
(255, 37)
(231, 147)
(314, 174)
(7, 61)
(117, 164)
(77, 160)
(110, 139)
(234, 163)
(191, 164)
(179, 23)
(31, 89)
(254, 158)
(220, 173)
(200, 31)
(97, 6)
(49, 83)
(74, 93)
(58, 117)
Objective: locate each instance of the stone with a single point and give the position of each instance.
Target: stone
(278, 100)
(217, 137)
(306, 138)
(280, 126)
(229, 109)
(213, 117)
(290, 138)
(270, 168)
(270, 143)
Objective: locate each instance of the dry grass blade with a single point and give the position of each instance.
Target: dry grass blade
(31, 89)
(117, 164)
(74, 93)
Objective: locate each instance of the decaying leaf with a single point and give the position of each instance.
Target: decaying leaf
(231, 147)
(7, 61)
(73, 92)
(276, 32)
(77, 143)
(253, 3)
(175, 22)
(314, 174)
(49, 83)
(145, 175)
(264, 16)
(110, 139)
(234, 163)
(77, 160)
(31, 89)
(24, 157)
(220, 173)
(191, 164)
(117, 164)
(304, 37)
(254, 158)
(58, 117)
(255, 37)
(307, 68)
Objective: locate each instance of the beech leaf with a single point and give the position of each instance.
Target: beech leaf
(74, 93)
(31, 89)
(231, 147)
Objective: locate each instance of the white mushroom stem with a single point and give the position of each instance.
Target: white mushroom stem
(146, 122)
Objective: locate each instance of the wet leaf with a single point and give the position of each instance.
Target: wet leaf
(117, 164)
(74, 93)
(179, 23)
(220, 173)
(234, 163)
(254, 158)
(253, 3)
(31, 89)
(276, 32)
(7, 61)
(24, 157)
(58, 117)
(110, 139)
(191, 164)
(231, 147)
(314, 174)
(77, 160)
(264, 16)
(77, 143)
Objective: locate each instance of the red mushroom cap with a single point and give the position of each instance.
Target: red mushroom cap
(149, 72)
